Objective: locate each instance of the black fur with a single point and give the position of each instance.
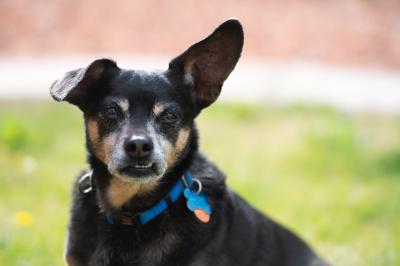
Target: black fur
(237, 234)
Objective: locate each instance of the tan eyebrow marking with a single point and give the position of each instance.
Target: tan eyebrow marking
(123, 103)
(158, 108)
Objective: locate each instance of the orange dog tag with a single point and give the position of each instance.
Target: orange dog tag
(202, 215)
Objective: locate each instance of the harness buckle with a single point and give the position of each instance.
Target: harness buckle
(128, 218)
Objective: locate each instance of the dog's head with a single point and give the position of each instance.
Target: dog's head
(138, 123)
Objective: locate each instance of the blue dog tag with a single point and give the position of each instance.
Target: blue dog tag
(198, 204)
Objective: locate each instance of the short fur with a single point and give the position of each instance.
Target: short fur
(141, 138)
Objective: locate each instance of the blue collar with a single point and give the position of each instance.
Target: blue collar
(144, 217)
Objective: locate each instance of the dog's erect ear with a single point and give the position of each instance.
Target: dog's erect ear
(76, 85)
(206, 64)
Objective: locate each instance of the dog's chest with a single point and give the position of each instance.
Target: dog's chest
(158, 251)
(134, 251)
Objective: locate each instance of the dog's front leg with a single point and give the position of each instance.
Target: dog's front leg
(72, 260)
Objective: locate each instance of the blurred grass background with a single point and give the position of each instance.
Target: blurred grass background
(333, 177)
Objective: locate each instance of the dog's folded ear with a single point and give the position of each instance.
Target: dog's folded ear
(206, 64)
(76, 85)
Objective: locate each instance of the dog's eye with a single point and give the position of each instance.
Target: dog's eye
(111, 112)
(169, 117)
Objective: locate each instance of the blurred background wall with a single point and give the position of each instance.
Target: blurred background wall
(344, 53)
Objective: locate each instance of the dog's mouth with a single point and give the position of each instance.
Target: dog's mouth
(148, 170)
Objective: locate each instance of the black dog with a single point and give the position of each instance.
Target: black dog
(152, 197)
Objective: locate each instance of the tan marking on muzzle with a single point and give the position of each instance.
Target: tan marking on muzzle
(101, 147)
(173, 152)
(95, 141)
(119, 192)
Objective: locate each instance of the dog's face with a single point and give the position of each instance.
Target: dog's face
(140, 127)
(138, 123)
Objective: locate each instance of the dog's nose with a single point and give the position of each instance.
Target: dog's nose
(139, 148)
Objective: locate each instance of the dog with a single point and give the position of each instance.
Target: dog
(151, 197)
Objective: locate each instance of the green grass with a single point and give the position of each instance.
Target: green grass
(332, 177)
